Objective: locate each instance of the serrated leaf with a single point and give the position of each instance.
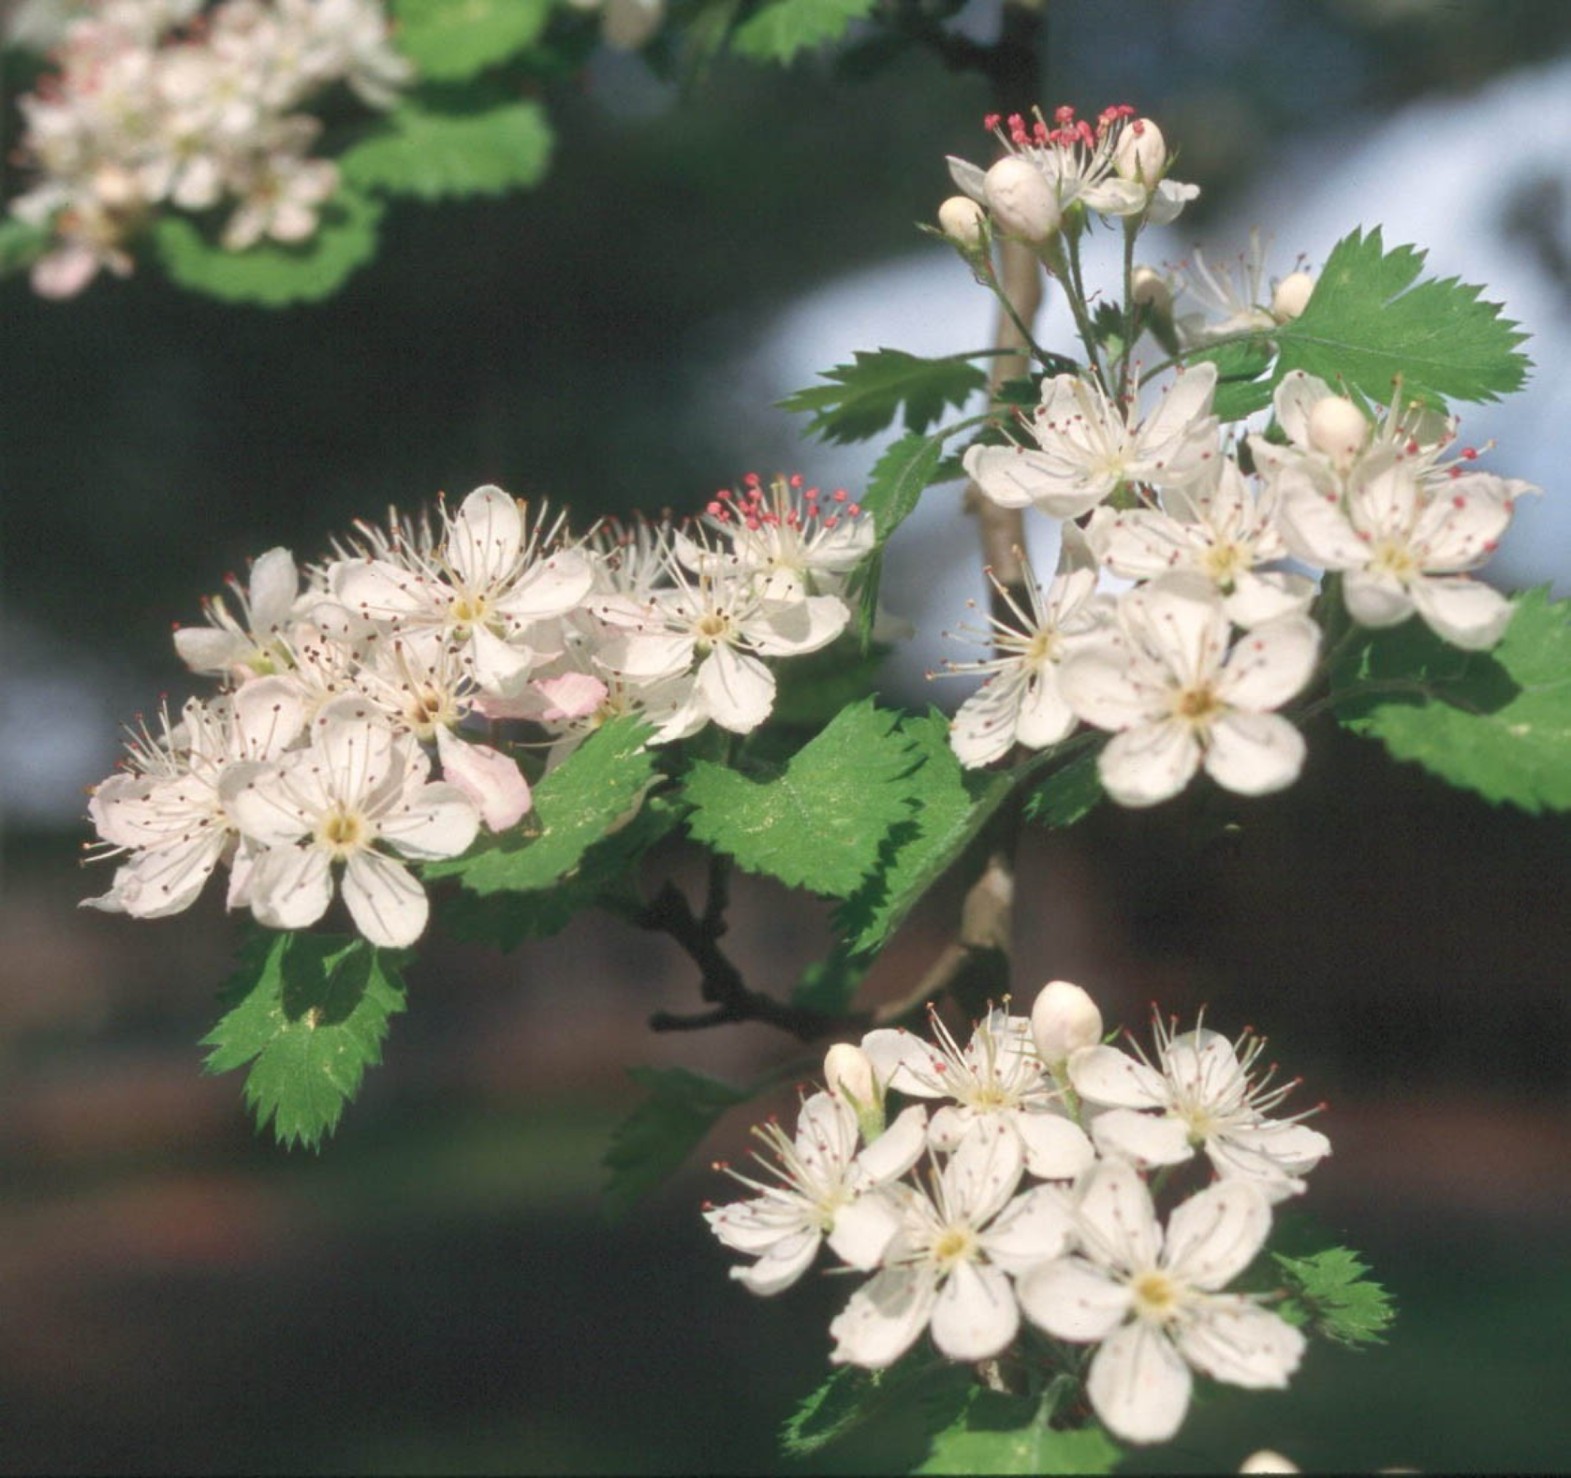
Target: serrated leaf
(1369, 321)
(782, 29)
(1331, 1293)
(850, 1397)
(1067, 794)
(1243, 385)
(1497, 723)
(898, 479)
(434, 155)
(450, 40)
(574, 807)
(271, 273)
(310, 1012)
(867, 395)
(819, 824)
(951, 807)
(662, 1131)
(999, 1433)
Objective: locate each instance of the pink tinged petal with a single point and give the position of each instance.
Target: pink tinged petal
(274, 585)
(1376, 600)
(291, 887)
(386, 902)
(903, 1061)
(551, 588)
(1144, 1139)
(258, 800)
(208, 649)
(1235, 1341)
(863, 1230)
(884, 1318)
(1104, 1075)
(439, 821)
(384, 592)
(1216, 1234)
(1139, 1384)
(1464, 612)
(1044, 717)
(1261, 596)
(984, 1170)
(485, 537)
(1254, 753)
(1055, 1148)
(490, 779)
(573, 695)
(1142, 767)
(1031, 1229)
(896, 1150)
(781, 1264)
(65, 272)
(1071, 1299)
(975, 1315)
(738, 690)
(1119, 1225)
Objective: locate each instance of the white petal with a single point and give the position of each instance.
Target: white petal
(1216, 1234)
(883, 1318)
(1270, 664)
(1376, 600)
(1312, 522)
(269, 714)
(975, 1315)
(485, 537)
(1104, 1075)
(553, 587)
(1055, 1148)
(439, 821)
(1070, 1299)
(274, 584)
(906, 1063)
(291, 887)
(498, 667)
(208, 649)
(1180, 620)
(1114, 1207)
(259, 801)
(1254, 753)
(1142, 767)
(1111, 685)
(1141, 543)
(896, 1150)
(1139, 1384)
(1467, 613)
(799, 627)
(738, 690)
(1296, 1148)
(1016, 477)
(1031, 1229)
(167, 879)
(381, 591)
(781, 1265)
(1144, 1139)
(1237, 1342)
(386, 902)
(1260, 596)
(983, 1172)
(983, 729)
(863, 1230)
(491, 780)
(1045, 717)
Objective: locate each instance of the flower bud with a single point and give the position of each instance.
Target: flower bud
(1022, 201)
(1266, 1461)
(1338, 428)
(961, 219)
(1149, 288)
(1291, 296)
(1063, 1020)
(1141, 154)
(848, 1074)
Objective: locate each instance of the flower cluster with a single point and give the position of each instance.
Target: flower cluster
(160, 102)
(339, 689)
(1022, 1197)
(1188, 667)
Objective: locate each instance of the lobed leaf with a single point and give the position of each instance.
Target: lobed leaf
(1369, 321)
(818, 824)
(851, 1397)
(450, 40)
(1243, 385)
(309, 1012)
(1067, 794)
(1497, 723)
(662, 1131)
(1330, 1292)
(785, 27)
(867, 395)
(999, 1433)
(434, 155)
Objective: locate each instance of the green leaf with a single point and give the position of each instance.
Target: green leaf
(782, 29)
(21, 244)
(271, 273)
(1067, 794)
(661, 1132)
(1369, 320)
(951, 807)
(579, 802)
(1243, 385)
(867, 396)
(434, 155)
(898, 480)
(850, 1397)
(828, 985)
(1330, 1293)
(814, 688)
(1498, 723)
(450, 40)
(309, 1013)
(999, 1433)
(819, 824)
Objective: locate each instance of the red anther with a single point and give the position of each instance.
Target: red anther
(1039, 132)
(752, 479)
(714, 509)
(706, 1205)
(795, 479)
(830, 523)
(1064, 115)
(840, 495)
(990, 121)
(1459, 501)
(854, 509)
(1456, 472)
(1469, 453)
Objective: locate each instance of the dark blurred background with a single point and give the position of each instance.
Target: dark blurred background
(439, 1289)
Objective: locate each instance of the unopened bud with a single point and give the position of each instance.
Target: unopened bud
(1022, 201)
(1266, 1461)
(1291, 296)
(1141, 154)
(1063, 1020)
(1339, 429)
(961, 219)
(848, 1074)
(1150, 289)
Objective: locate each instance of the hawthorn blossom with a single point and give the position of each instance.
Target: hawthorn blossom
(1179, 698)
(1020, 702)
(950, 1264)
(248, 645)
(1234, 300)
(1199, 1091)
(1152, 1302)
(356, 784)
(1087, 448)
(821, 1192)
(996, 1079)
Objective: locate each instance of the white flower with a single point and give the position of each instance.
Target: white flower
(248, 645)
(822, 1193)
(1214, 527)
(1201, 1090)
(1020, 702)
(1088, 448)
(1234, 300)
(1178, 698)
(951, 1262)
(996, 1079)
(1153, 1303)
(357, 784)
